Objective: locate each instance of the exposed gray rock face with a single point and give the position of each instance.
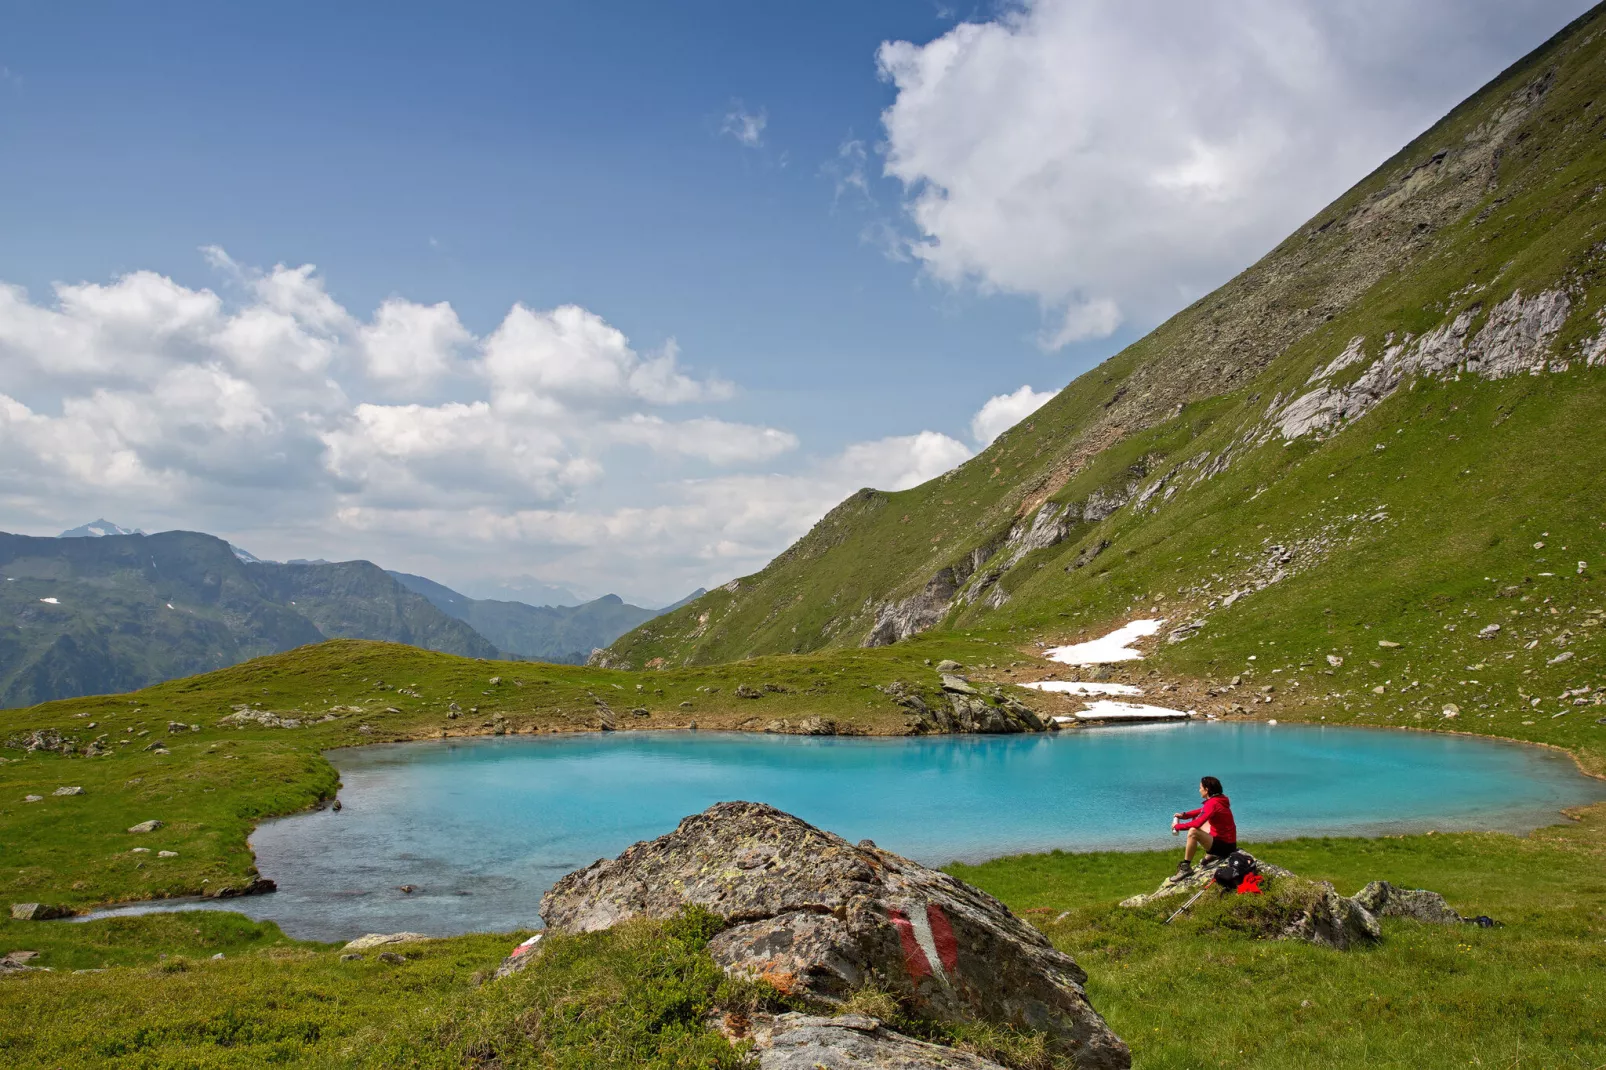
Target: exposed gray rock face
(851, 1042)
(913, 615)
(819, 917)
(1386, 901)
(1515, 339)
(146, 826)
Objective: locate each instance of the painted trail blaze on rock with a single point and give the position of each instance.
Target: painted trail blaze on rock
(928, 942)
(806, 908)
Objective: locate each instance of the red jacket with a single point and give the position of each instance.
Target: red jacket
(1217, 811)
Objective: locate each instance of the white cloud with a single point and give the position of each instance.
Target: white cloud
(899, 463)
(412, 345)
(713, 440)
(271, 418)
(1116, 160)
(1003, 411)
(572, 354)
(702, 529)
(745, 126)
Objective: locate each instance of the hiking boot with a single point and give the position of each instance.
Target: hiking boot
(1184, 871)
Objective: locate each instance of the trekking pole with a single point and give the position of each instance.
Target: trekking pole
(1188, 904)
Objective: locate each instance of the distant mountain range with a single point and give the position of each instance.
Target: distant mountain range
(546, 633)
(104, 609)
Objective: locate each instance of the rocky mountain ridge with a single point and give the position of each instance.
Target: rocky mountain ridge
(118, 612)
(1465, 271)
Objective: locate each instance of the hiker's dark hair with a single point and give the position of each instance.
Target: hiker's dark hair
(1211, 785)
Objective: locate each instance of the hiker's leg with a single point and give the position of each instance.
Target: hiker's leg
(1198, 840)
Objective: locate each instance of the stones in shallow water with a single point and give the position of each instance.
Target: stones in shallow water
(818, 917)
(259, 886)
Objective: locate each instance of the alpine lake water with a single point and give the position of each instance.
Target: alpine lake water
(481, 828)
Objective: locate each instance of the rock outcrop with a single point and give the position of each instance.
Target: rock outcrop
(1323, 916)
(819, 918)
(373, 940)
(964, 708)
(1320, 916)
(1386, 901)
(850, 1042)
(38, 912)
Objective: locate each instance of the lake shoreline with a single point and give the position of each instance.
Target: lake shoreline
(805, 760)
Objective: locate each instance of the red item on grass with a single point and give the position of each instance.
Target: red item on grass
(1250, 885)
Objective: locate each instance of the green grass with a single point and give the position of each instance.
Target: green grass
(634, 996)
(1199, 993)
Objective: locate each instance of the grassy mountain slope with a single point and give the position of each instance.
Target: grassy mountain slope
(96, 615)
(1470, 257)
(565, 634)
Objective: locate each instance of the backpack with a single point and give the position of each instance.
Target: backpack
(1232, 872)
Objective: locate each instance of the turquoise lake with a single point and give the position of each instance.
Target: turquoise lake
(481, 828)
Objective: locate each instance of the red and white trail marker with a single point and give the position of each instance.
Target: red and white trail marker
(928, 942)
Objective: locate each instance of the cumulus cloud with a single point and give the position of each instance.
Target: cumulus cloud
(721, 526)
(412, 345)
(570, 353)
(272, 416)
(1003, 411)
(148, 388)
(1116, 160)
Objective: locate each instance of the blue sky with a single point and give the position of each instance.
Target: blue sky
(492, 153)
(805, 245)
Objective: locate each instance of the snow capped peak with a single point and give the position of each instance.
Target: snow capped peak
(247, 556)
(97, 528)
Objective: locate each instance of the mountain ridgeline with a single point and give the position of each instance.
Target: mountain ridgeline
(118, 612)
(564, 634)
(1391, 417)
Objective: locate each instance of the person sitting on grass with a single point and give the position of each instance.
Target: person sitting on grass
(1210, 828)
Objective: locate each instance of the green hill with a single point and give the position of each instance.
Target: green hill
(563, 634)
(96, 615)
(1383, 430)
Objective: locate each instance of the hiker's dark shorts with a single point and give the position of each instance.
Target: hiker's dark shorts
(1220, 849)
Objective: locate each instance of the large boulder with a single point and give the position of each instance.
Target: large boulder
(1203, 875)
(1317, 914)
(1387, 901)
(819, 918)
